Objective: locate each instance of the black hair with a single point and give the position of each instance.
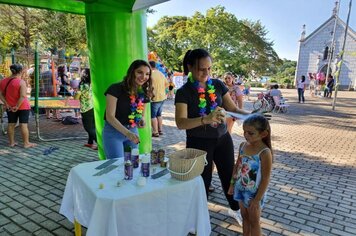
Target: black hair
(192, 58)
(260, 123)
(129, 79)
(152, 64)
(61, 74)
(303, 78)
(16, 68)
(85, 78)
(276, 86)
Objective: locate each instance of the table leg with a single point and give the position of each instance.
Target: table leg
(77, 228)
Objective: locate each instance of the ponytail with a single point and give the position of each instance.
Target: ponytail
(192, 58)
(260, 123)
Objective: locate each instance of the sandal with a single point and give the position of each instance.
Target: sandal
(211, 188)
(160, 132)
(155, 135)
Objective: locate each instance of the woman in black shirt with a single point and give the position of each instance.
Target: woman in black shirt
(200, 105)
(125, 104)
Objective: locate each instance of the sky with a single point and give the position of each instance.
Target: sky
(283, 19)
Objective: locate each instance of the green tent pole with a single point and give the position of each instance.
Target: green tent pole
(37, 76)
(116, 37)
(37, 90)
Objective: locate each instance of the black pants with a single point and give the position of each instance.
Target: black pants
(89, 125)
(300, 94)
(221, 151)
(328, 92)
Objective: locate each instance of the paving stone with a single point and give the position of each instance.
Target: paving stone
(342, 233)
(318, 226)
(19, 219)
(23, 233)
(4, 220)
(62, 232)
(43, 232)
(50, 225)
(11, 228)
(36, 217)
(8, 212)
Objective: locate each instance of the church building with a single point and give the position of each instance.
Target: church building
(316, 52)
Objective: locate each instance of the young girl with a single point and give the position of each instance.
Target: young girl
(252, 172)
(236, 95)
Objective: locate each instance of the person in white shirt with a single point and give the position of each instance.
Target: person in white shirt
(301, 88)
(312, 85)
(275, 91)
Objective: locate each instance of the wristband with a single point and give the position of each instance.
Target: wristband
(232, 181)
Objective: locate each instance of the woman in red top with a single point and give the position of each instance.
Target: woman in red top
(13, 93)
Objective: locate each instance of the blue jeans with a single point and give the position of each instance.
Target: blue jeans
(156, 109)
(114, 141)
(301, 94)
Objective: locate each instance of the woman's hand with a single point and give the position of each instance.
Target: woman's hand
(14, 109)
(231, 190)
(132, 137)
(218, 116)
(141, 123)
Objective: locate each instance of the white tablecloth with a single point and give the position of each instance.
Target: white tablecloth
(164, 206)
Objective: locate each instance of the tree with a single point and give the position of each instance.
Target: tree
(18, 29)
(21, 27)
(165, 39)
(62, 32)
(237, 46)
(285, 71)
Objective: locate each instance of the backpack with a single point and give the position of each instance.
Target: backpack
(70, 120)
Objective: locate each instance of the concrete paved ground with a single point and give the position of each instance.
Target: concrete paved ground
(312, 190)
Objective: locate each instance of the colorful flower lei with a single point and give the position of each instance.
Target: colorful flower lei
(137, 107)
(201, 92)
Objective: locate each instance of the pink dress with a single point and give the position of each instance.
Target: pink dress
(235, 92)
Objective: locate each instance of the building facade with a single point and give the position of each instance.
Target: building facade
(315, 50)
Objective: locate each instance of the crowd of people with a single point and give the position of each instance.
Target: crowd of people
(200, 109)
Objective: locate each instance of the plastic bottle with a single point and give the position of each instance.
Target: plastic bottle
(145, 166)
(135, 157)
(128, 170)
(127, 153)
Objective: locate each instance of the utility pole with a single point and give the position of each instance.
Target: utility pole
(337, 75)
(332, 48)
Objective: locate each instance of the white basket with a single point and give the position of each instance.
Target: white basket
(186, 164)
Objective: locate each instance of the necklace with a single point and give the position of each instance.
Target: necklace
(201, 91)
(136, 107)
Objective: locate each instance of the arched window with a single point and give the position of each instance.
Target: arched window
(326, 53)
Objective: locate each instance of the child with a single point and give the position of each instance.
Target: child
(252, 172)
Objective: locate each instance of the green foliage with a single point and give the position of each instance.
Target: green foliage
(62, 31)
(235, 45)
(285, 72)
(287, 81)
(21, 27)
(18, 29)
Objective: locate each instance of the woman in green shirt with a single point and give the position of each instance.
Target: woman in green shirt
(87, 108)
